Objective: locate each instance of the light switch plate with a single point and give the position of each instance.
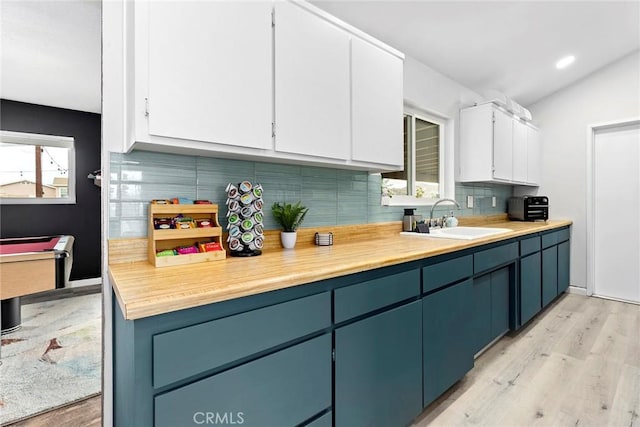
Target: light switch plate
(469, 201)
(493, 201)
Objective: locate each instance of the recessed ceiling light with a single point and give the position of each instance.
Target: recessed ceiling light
(565, 62)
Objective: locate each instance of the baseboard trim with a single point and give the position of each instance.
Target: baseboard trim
(85, 282)
(578, 291)
(617, 299)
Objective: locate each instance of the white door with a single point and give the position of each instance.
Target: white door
(502, 146)
(617, 213)
(210, 75)
(312, 87)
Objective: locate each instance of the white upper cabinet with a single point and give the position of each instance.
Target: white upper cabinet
(209, 72)
(496, 147)
(311, 84)
(277, 81)
(502, 146)
(534, 156)
(520, 168)
(376, 104)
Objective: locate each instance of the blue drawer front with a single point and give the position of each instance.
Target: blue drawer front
(563, 235)
(283, 389)
(441, 274)
(362, 298)
(189, 351)
(490, 258)
(324, 421)
(529, 246)
(555, 237)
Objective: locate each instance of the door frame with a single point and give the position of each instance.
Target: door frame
(591, 140)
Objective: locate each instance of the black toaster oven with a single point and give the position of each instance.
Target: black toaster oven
(528, 208)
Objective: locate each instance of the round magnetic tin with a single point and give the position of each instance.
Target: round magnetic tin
(246, 212)
(247, 237)
(247, 224)
(235, 245)
(246, 198)
(234, 218)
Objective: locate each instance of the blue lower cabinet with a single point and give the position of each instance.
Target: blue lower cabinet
(285, 388)
(447, 338)
(325, 420)
(530, 287)
(490, 307)
(549, 274)
(564, 255)
(378, 369)
(481, 325)
(500, 280)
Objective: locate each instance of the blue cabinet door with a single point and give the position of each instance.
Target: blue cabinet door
(378, 369)
(447, 338)
(285, 388)
(481, 325)
(530, 287)
(564, 255)
(549, 274)
(499, 302)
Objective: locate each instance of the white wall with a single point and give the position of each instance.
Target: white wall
(609, 94)
(425, 88)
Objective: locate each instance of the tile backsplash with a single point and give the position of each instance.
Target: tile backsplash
(334, 196)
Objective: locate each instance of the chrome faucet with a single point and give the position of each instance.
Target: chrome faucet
(436, 204)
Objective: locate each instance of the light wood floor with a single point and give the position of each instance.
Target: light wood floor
(576, 364)
(86, 413)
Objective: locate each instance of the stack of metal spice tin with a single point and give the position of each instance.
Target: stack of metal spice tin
(245, 219)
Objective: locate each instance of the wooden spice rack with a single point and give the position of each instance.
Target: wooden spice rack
(170, 238)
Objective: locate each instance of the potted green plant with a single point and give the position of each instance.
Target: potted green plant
(289, 216)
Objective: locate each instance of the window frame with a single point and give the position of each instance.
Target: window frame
(446, 188)
(45, 141)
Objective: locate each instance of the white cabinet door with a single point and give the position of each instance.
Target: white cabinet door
(519, 151)
(502, 146)
(312, 88)
(376, 105)
(534, 155)
(209, 72)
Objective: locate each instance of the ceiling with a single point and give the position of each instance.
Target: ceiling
(51, 50)
(51, 53)
(509, 46)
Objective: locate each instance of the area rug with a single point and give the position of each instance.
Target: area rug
(54, 359)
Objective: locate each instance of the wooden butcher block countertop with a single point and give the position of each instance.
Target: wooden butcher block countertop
(143, 290)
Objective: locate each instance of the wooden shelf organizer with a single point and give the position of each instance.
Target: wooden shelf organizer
(170, 238)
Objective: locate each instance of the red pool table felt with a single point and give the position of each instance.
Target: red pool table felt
(27, 246)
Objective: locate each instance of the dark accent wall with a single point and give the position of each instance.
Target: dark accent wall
(82, 219)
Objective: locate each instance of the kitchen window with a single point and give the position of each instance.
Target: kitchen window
(36, 169)
(423, 178)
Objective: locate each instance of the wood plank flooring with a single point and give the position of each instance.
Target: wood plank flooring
(86, 413)
(576, 364)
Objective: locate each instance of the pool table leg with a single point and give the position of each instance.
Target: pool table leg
(10, 318)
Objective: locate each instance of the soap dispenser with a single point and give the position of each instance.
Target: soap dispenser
(452, 221)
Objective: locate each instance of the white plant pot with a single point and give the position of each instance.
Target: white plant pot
(288, 239)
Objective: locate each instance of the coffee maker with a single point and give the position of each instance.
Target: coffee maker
(410, 219)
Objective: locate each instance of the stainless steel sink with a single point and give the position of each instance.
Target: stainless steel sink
(460, 233)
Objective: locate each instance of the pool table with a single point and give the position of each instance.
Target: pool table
(30, 265)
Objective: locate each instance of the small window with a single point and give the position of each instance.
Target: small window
(36, 169)
(421, 181)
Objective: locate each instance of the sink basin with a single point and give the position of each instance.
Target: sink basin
(460, 233)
